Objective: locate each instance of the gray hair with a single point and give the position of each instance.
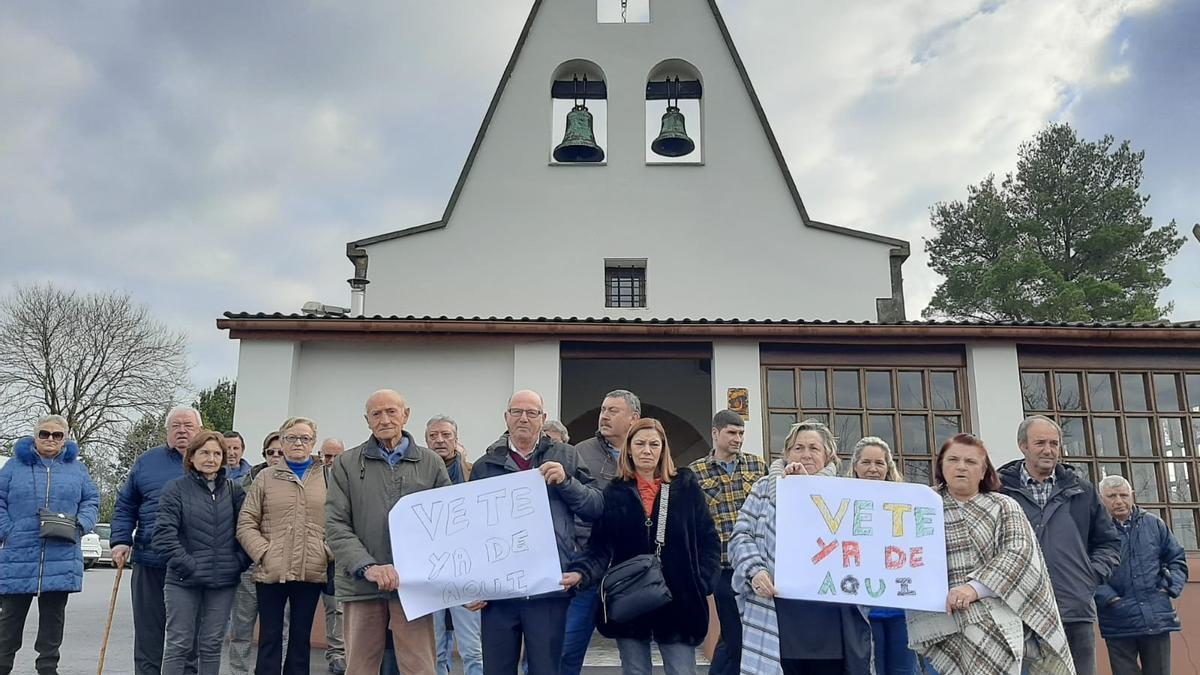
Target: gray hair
(182, 409)
(1114, 481)
(555, 425)
(635, 403)
(893, 474)
(442, 418)
(1023, 429)
(56, 419)
(822, 429)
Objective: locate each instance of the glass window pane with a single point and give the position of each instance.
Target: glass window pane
(1107, 433)
(1101, 391)
(823, 418)
(1113, 469)
(780, 423)
(912, 389)
(1171, 436)
(946, 426)
(1183, 526)
(848, 429)
(1085, 470)
(1196, 434)
(1069, 391)
(1133, 391)
(1074, 440)
(1140, 434)
(1179, 482)
(781, 388)
(944, 388)
(1193, 391)
(845, 389)
(917, 471)
(813, 392)
(879, 389)
(914, 430)
(1035, 391)
(1166, 392)
(883, 426)
(1145, 483)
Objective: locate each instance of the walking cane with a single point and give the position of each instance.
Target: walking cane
(112, 608)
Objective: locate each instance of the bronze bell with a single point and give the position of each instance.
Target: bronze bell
(579, 141)
(673, 140)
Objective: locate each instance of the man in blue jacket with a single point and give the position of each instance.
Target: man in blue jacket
(137, 509)
(1136, 614)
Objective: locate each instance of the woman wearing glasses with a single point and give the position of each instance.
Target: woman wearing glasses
(783, 635)
(282, 528)
(47, 500)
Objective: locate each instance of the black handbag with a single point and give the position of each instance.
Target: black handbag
(52, 524)
(636, 586)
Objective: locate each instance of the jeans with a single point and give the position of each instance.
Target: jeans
(196, 617)
(678, 658)
(581, 623)
(1081, 638)
(150, 621)
(52, 615)
(1154, 650)
(727, 658)
(272, 598)
(466, 631)
(892, 656)
(540, 620)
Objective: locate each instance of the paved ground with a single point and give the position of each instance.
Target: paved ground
(87, 612)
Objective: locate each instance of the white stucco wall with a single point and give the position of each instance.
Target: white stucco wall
(265, 385)
(736, 364)
(995, 389)
(536, 367)
(722, 240)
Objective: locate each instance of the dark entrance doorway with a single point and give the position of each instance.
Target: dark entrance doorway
(674, 382)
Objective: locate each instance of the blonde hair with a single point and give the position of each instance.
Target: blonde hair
(822, 429)
(293, 421)
(893, 474)
(666, 465)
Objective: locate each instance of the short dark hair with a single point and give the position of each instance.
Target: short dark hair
(234, 434)
(271, 438)
(201, 439)
(727, 418)
(990, 481)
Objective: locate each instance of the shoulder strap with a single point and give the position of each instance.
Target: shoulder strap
(661, 536)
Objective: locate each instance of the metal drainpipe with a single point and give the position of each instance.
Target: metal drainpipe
(358, 284)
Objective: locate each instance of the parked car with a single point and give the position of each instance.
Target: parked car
(104, 531)
(91, 549)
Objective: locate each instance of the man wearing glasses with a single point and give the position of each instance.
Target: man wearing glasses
(618, 411)
(365, 482)
(523, 447)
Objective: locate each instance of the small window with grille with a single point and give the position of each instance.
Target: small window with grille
(625, 283)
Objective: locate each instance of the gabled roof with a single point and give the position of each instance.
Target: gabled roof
(900, 247)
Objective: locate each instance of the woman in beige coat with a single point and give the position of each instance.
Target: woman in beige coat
(282, 528)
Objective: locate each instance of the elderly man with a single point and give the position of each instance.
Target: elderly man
(618, 411)
(364, 484)
(137, 509)
(1136, 615)
(457, 623)
(540, 618)
(335, 648)
(1078, 539)
(236, 468)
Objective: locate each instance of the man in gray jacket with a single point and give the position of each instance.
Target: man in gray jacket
(619, 410)
(1079, 542)
(539, 618)
(363, 485)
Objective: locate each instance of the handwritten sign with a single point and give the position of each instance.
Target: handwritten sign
(861, 542)
(481, 540)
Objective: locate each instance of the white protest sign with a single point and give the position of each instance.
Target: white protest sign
(481, 540)
(863, 542)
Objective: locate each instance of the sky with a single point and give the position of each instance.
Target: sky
(217, 156)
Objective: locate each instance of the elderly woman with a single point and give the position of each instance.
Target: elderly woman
(1136, 615)
(1000, 611)
(47, 500)
(282, 528)
(783, 635)
(195, 533)
(872, 460)
(690, 554)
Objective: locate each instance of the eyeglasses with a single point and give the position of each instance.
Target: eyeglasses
(274, 453)
(531, 414)
(292, 440)
(46, 435)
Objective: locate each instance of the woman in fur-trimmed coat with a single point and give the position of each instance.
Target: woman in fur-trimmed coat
(691, 552)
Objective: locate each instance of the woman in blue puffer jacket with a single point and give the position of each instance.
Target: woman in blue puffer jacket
(44, 474)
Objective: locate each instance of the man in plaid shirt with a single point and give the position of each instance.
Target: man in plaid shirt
(726, 475)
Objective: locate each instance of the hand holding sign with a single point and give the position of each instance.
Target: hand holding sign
(763, 585)
(553, 472)
(383, 576)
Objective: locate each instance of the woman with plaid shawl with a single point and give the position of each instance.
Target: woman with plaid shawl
(1001, 617)
(792, 636)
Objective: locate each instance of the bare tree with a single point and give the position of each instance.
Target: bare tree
(98, 359)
